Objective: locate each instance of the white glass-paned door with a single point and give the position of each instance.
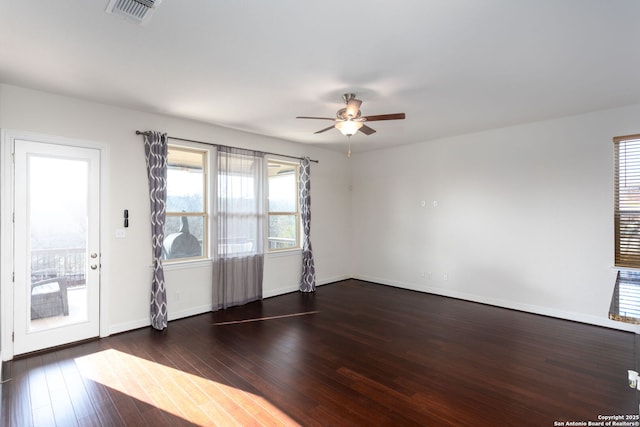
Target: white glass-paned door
(57, 257)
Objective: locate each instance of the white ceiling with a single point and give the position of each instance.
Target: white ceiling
(453, 66)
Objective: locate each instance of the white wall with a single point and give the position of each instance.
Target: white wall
(128, 260)
(524, 216)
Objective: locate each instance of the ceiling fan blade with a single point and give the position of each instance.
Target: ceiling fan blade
(367, 130)
(325, 129)
(315, 118)
(396, 116)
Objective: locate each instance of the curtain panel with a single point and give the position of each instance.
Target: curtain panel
(155, 148)
(239, 217)
(308, 278)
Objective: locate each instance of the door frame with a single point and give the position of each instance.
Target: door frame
(7, 206)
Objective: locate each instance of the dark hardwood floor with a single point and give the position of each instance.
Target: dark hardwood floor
(354, 353)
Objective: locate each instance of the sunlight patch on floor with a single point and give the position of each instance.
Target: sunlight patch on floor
(191, 397)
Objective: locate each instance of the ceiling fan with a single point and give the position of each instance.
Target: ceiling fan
(350, 120)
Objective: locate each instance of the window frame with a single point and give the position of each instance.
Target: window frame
(296, 213)
(205, 215)
(626, 215)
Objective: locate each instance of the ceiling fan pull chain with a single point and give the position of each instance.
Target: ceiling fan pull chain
(349, 152)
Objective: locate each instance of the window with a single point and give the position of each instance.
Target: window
(627, 200)
(240, 203)
(284, 215)
(185, 229)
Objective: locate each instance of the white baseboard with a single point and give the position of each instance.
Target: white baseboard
(143, 323)
(193, 311)
(289, 289)
(280, 291)
(330, 280)
(129, 326)
(534, 309)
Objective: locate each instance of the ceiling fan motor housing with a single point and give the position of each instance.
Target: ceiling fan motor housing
(352, 111)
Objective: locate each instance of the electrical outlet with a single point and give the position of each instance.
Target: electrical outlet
(445, 277)
(178, 296)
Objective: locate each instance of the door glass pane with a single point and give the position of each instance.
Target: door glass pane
(58, 225)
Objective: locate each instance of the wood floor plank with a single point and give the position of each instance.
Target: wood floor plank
(164, 393)
(38, 389)
(226, 403)
(43, 416)
(245, 407)
(78, 395)
(108, 414)
(61, 405)
(20, 400)
(89, 421)
(353, 353)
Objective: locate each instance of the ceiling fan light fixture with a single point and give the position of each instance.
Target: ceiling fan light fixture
(348, 127)
(350, 120)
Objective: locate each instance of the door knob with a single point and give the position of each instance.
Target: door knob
(94, 255)
(94, 266)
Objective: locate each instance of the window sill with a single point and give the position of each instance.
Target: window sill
(181, 265)
(616, 268)
(284, 253)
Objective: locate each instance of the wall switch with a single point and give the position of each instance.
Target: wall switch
(121, 233)
(445, 277)
(423, 203)
(435, 203)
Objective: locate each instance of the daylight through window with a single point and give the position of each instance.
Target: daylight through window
(185, 230)
(284, 216)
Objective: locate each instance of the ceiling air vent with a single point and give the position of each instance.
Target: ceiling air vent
(137, 10)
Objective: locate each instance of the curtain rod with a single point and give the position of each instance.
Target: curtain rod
(226, 146)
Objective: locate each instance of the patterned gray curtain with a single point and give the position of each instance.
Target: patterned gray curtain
(155, 148)
(308, 279)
